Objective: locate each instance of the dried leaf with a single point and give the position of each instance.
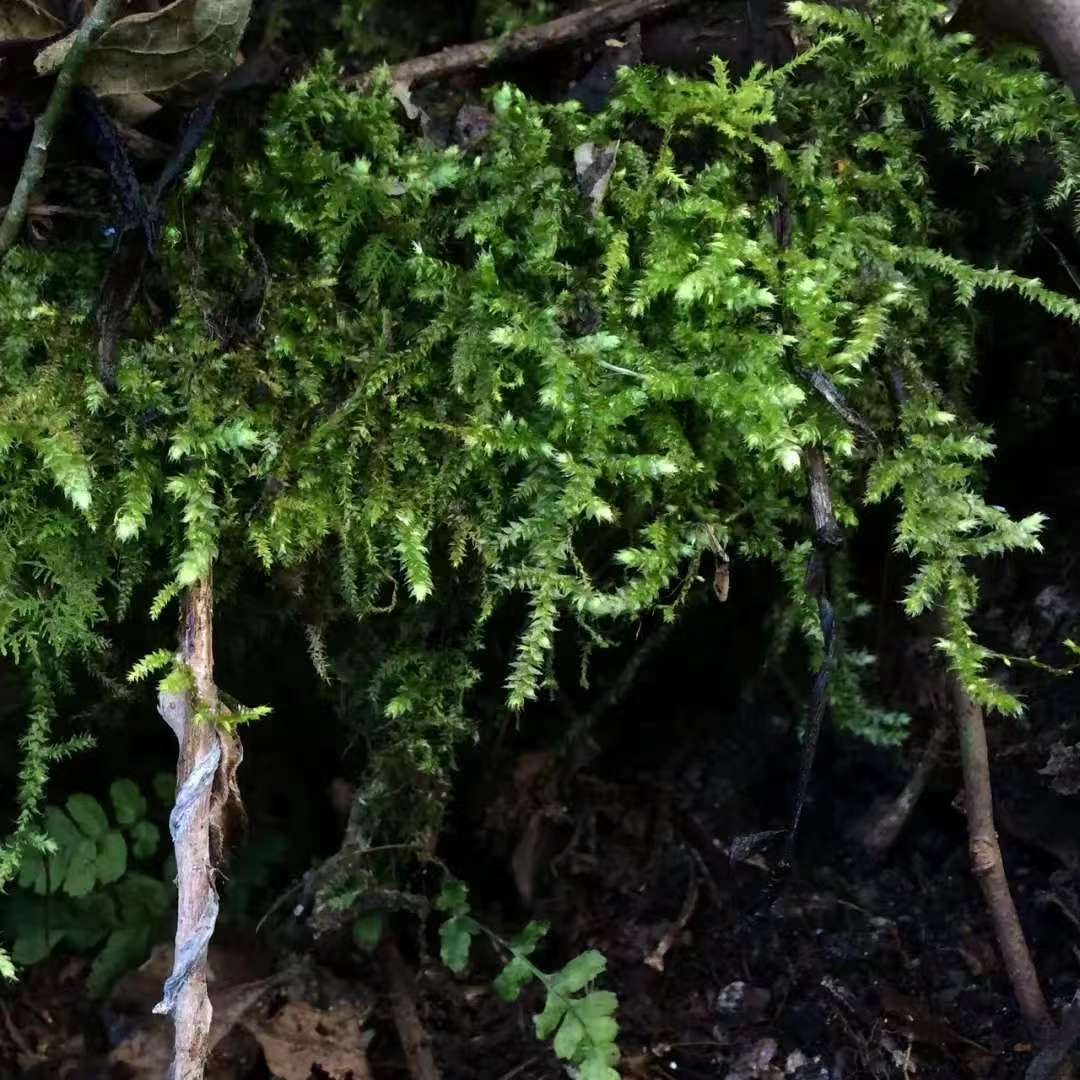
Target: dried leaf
(300, 1036)
(156, 50)
(593, 166)
(21, 20)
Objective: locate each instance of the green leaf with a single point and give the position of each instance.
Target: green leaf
(525, 942)
(580, 971)
(568, 1037)
(129, 803)
(88, 814)
(510, 981)
(125, 949)
(7, 968)
(145, 837)
(66, 837)
(453, 898)
(92, 918)
(34, 946)
(111, 858)
(596, 1067)
(554, 1010)
(142, 899)
(456, 936)
(158, 660)
(601, 1029)
(82, 868)
(368, 929)
(31, 870)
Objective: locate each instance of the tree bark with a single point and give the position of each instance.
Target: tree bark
(200, 753)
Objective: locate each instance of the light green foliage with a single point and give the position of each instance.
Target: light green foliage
(77, 886)
(576, 1017)
(468, 392)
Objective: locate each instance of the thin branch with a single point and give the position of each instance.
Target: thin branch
(45, 128)
(198, 761)
(988, 868)
(655, 957)
(598, 19)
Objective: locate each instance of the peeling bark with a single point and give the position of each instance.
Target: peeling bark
(200, 754)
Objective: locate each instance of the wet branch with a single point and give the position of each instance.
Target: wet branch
(47, 123)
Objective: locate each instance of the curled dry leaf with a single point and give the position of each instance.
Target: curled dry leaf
(21, 20)
(154, 51)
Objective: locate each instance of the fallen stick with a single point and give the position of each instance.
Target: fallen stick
(414, 1039)
(655, 959)
(455, 59)
(33, 167)
(880, 831)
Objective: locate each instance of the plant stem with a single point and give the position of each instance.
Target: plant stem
(988, 868)
(45, 128)
(197, 764)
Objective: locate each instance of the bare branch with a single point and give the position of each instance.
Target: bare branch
(456, 59)
(988, 868)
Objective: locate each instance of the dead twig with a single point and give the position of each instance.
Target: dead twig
(455, 59)
(33, 167)
(517, 1070)
(880, 831)
(655, 959)
(415, 1041)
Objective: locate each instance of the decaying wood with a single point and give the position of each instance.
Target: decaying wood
(989, 869)
(415, 1041)
(599, 19)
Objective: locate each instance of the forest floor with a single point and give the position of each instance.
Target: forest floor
(852, 967)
